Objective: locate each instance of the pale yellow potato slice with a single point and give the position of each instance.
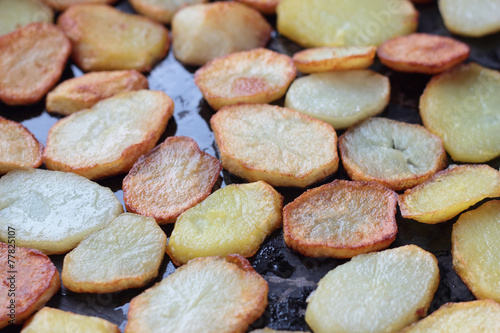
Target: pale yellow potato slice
(108, 138)
(340, 98)
(267, 7)
(105, 38)
(161, 10)
(84, 91)
(449, 192)
(212, 295)
(50, 320)
(461, 107)
(476, 250)
(324, 59)
(315, 23)
(278, 145)
(377, 292)
(17, 13)
(53, 211)
(234, 219)
(206, 31)
(471, 18)
(256, 76)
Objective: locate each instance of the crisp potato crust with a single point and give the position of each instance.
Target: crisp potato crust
(39, 50)
(278, 145)
(161, 10)
(324, 59)
(189, 300)
(36, 281)
(62, 5)
(256, 76)
(17, 13)
(472, 19)
(267, 7)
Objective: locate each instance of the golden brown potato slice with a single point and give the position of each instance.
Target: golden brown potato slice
(476, 249)
(18, 147)
(61, 5)
(206, 31)
(161, 10)
(267, 7)
(461, 107)
(105, 38)
(212, 295)
(376, 292)
(471, 18)
(29, 280)
(422, 53)
(324, 59)
(315, 23)
(32, 59)
(449, 192)
(107, 139)
(17, 13)
(395, 154)
(278, 145)
(49, 320)
(234, 219)
(256, 76)
(84, 91)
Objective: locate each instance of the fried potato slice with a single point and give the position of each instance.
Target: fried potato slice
(128, 252)
(341, 219)
(472, 19)
(84, 91)
(62, 5)
(171, 178)
(376, 292)
(278, 145)
(49, 320)
(53, 211)
(256, 76)
(206, 31)
(226, 289)
(269, 330)
(476, 250)
(38, 49)
(234, 219)
(17, 13)
(26, 285)
(395, 154)
(461, 107)
(316, 23)
(18, 147)
(107, 139)
(267, 7)
(161, 10)
(105, 38)
(449, 192)
(340, 98)
(422, 53)
(324, 59)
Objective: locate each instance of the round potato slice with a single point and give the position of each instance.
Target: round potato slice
(278, 145)
(473, 19)
(315, 23)
(212, 295)
(324, 59)
(422, 53)
(161, 10)
(17, 13)
(476, 250)
(461, 107)
(376, 292)
(62, 5)
(340, 98)
(395, 154)
(341, 219)
(267, 7)
(256, 76)
(105, 38)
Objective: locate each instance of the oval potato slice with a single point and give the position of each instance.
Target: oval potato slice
(161, 10)
(256, 76)
(473, 19)
(324, 59)
(62, 5)
(17, 13)
(267, 7)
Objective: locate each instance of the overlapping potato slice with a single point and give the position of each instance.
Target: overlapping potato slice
(317, 23)
(105, 38)
(32, 59)
(161, 10)
(476, 250)
(234, 219)
(341, 219)
(340, 98)
(395, 154)
(211, 294)
(49, 320)
(376, 292)
(171, 178)
(278, 145)
(29, 280)
(17, 13)
(84, 91)
(256, 76)
(267, 7)
(324, 59)
(206, 31)
(108, 138)
(461, 107)
(473, 19)
(53, 211)
(449, 192)
(61, 5)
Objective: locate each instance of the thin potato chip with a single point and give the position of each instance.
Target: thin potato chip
(161, 10)
(17, 13)
(324, 59)
(471, 18)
